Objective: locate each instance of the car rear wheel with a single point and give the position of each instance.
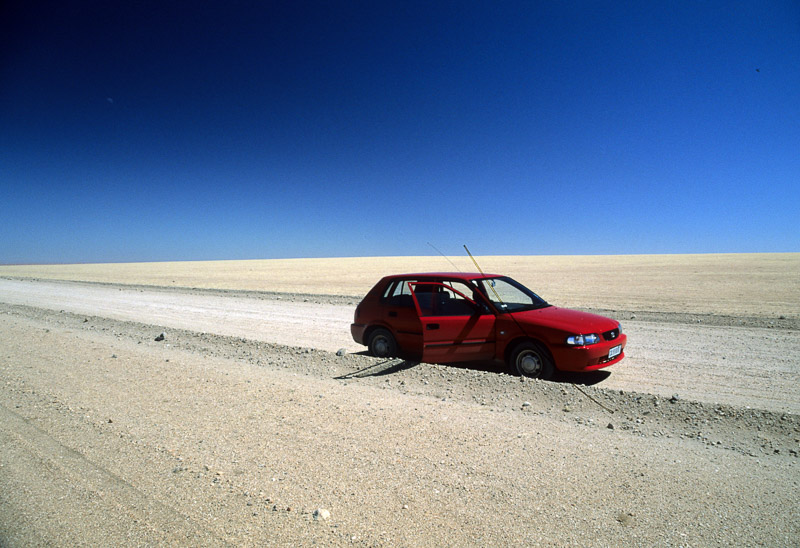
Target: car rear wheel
(382, 344)
(530, 359)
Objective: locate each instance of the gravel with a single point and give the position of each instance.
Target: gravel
(109, 437)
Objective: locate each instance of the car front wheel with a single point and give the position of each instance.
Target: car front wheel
(382, 344)
(531, 360)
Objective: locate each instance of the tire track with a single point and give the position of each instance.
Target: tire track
(84, 492)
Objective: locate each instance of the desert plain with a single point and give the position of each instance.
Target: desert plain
(256, 420)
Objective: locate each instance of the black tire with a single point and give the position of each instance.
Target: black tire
(382, 343)
(530, 359)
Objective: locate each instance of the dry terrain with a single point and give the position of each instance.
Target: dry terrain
(757, 284)
(244, 426)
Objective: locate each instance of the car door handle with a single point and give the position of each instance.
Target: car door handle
(431, 326)
(392, 313)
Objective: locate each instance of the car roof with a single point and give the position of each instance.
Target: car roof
(445, 275)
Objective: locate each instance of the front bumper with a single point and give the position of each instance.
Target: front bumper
(588, 358)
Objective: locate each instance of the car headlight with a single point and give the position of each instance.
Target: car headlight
(583, 340)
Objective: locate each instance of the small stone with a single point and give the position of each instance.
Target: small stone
(610, 426)
(674, 398)
(624, 519)
(341, 352)
(321, 514)
(526, 404)
(161, 336)
(113, 355)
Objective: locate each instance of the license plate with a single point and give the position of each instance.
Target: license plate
(614, 352)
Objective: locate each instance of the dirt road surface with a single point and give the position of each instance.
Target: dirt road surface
(243, 422)
(745, 366)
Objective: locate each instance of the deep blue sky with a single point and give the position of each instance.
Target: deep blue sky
(230, 130)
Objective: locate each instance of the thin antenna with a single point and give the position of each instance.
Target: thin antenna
(445, 256)
(473, 260)
(482, 274)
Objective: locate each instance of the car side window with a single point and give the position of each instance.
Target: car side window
(444, 299)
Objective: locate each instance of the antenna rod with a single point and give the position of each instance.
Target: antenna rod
(482, 274)
(445, 256)
(473, 260)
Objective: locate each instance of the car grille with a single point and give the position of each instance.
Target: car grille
(611, 335)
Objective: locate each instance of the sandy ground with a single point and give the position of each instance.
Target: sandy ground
(755, 284)
(243, 422)
(731, 364)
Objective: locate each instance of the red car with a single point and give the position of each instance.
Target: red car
(455, 317)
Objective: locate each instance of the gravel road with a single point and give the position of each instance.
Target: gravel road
(732, 364)
(243, 422)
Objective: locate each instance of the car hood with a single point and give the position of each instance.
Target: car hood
(572, 321)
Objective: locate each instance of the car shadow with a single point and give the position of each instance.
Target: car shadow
(395, 365)
(489, 367)
(385, 367)
(590, 378)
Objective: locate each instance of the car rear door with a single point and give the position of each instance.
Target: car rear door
(454, 327)
(399, 314)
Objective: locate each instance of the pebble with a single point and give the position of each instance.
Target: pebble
(161, 336)
(624, 519)
(321, 514)
(341, 352)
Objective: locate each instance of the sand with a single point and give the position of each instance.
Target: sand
(760, 284)
(232, 431)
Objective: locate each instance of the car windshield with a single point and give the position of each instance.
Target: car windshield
(509, 295)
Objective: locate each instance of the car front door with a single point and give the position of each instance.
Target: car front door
(454, 327)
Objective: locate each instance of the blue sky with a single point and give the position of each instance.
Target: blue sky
(238, 130)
